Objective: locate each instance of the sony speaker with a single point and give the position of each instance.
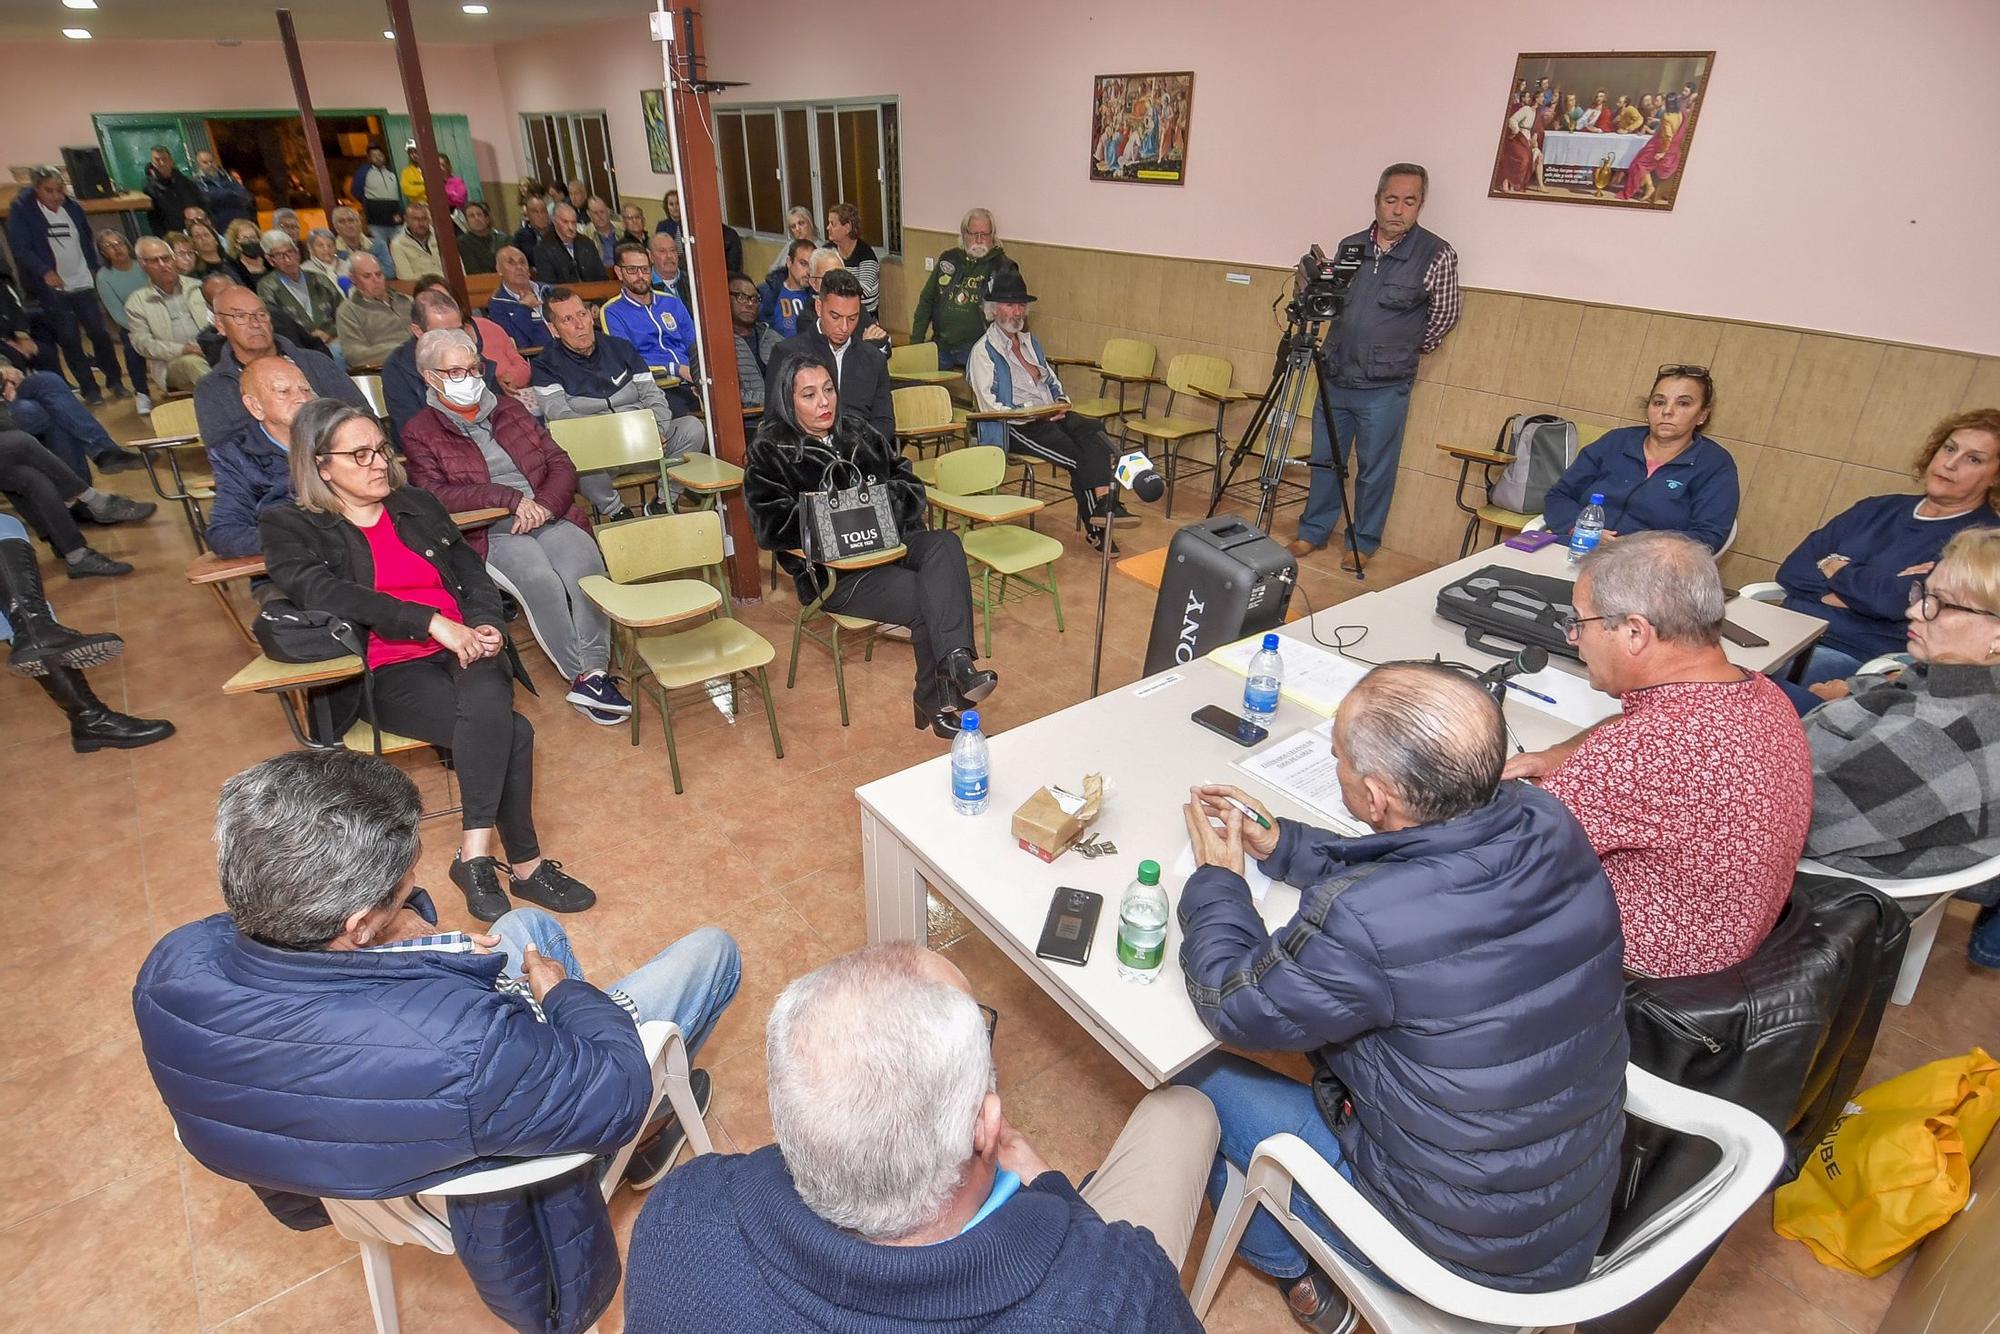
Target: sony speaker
(1223, 580)
(87, 177)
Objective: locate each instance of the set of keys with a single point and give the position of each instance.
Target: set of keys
(1094, 847)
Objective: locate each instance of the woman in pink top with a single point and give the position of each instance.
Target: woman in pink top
(388, 559)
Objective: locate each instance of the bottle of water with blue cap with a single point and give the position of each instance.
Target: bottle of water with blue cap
(1589, 529)
(1262, 682)
(969, 775)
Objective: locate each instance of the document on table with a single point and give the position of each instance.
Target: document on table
(1314, 678)
(1260, 884)
(1570, 697)
(1303, 768)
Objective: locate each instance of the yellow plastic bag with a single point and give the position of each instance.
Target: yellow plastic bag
(1895, 1167)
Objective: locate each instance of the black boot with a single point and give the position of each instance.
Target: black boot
(932, 700)
(93, 724)
(41, 641)
(966, 680)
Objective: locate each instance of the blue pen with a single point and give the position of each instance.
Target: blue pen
(1534, 694)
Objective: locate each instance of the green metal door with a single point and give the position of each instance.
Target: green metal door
(454, 140)
(128, 143)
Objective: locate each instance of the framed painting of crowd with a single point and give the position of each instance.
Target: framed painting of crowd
(1600, 127)
(1139, 127)
(653, 110)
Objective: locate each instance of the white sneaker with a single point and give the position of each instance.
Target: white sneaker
(144, 403)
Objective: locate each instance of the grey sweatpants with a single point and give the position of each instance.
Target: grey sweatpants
(541, 570)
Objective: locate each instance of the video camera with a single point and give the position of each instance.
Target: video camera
(1322, 283)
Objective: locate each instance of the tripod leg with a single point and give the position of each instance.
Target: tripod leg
(1338, 457)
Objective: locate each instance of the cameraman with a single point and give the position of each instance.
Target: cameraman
(1401, 304)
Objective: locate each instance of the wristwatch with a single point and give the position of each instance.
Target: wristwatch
(1825, 561)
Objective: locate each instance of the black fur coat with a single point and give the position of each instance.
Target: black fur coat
(783, 463)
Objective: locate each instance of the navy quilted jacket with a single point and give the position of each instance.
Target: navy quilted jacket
(1464, 981)
(368, 1076)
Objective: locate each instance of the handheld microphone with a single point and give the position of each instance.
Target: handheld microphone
(1135, 472)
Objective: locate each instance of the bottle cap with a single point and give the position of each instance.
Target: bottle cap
(1597, 497)
(1271, 641)
(969, 721)
(1149, 873)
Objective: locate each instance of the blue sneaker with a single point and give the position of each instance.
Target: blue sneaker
(598, 699)
(1984, 947)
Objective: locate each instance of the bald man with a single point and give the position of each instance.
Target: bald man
(245, 323)
(253, 469)
(1456, 978)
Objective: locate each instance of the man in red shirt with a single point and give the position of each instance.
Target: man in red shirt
(1699, 795)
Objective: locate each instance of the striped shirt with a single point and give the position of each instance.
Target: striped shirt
(458, 942)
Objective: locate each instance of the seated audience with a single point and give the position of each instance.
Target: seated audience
(375, 319)
(44, 648)
(473, 449)
(824, 261)
(898, 1194)
(206, 243)
(535, 226)
(1855, 572)
(803, 433)
(253, 470)
(25, 341)
(953, 302)
(386, 557)
(41, 488)
(1698, 795)
(404, 388)
(210, 339)
(306, 297)
(415, 247)
(476, 245)
(412, 183)
(1665, 476)
(246, 328)
(186, 262)
(48, 236)
(1008, 370)
(222, 191)
(46, 407)
(602, 229)
(166, 318)
(863, 382)
(1455, 972)
(788, 293)
(509, 369)
(117, 279)
(327, 1036)
(756, 341)
(323, 258)
(798, 227)
(286, 220)
(668, 276)
(352, 237)
(670, 215)
(632, 219)
(239, 232)
(247, 254)
(169, 193)
(578, 194)
(584, 373)
(376, 186)
(655, 323)
(843, 233)
(516, 304)
(566, 256)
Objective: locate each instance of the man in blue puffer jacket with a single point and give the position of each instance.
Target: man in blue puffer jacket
(1456, 976)
(326, 1037)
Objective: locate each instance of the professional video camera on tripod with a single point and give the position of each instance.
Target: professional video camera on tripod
(1319, 290)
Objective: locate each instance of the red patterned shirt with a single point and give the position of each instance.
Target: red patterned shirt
(1698, 799)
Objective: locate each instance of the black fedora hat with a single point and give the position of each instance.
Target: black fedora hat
(1007, 285)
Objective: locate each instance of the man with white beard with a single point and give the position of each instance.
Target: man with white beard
(953, 302)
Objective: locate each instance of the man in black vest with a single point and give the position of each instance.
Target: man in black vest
(1402, 304)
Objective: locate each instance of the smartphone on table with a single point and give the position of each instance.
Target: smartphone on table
(1070, 927)
(1232, 725)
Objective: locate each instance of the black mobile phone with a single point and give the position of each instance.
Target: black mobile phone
(1234, 726)
(1071, 925)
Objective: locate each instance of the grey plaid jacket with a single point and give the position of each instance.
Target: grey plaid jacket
(1906, 773)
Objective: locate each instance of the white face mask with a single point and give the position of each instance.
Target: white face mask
(463, 393)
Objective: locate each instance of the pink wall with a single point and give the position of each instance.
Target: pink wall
(53, 88)
(599, 68)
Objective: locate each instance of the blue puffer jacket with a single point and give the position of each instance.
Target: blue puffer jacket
(1464, 980)
(367, 1076)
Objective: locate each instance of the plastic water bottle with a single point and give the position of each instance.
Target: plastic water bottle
(1265, 678)
(1142, 926)
(1589, 529)
(969, 773)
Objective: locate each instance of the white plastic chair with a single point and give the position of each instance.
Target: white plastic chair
(1925, 899)
(421, 1219)
(1437, 1301)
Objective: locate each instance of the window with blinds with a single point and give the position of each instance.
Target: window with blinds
(564, 146)
(812, 155)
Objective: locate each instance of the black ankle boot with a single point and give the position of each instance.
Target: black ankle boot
(41, 641)
(93, 724)
(966, 680)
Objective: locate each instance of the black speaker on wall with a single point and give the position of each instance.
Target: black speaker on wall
(87, 177)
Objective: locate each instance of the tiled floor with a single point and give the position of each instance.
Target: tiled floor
(105, 1225)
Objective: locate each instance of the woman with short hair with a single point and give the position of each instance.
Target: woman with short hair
(117, 279)
(324, 259)
(843, 233)
(361, 545)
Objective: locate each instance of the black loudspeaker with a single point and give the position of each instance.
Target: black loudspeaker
(1223, 580)
(87, 177)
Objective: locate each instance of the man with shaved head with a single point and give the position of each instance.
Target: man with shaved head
(1455, 977)
(898, 1194)
(253, 469)
(245, 322)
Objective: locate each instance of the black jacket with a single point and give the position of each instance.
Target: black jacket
(783, 464)
(553, 264)
(862, 375)
(172, 196)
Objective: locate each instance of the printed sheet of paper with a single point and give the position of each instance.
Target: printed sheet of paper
(1260, 884)
(1314, 678)
(1303, 768)
(1575, 702)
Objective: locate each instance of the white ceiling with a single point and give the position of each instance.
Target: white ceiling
(316, 20)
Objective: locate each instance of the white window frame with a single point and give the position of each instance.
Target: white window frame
(820, 199)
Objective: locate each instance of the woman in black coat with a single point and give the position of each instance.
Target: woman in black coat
(801, 435)
(359, 544)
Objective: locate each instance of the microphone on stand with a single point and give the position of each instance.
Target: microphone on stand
(1525, 663)
(1135, 473)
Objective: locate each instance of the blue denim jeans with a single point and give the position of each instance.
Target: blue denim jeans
(47, 408)
(690, 982)
(1254, 1103)
(1368, 425)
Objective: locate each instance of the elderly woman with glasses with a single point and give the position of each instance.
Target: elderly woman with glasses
(1665, 476)
(1907, 764)
(358, 543)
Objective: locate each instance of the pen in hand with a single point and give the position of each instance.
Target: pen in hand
(1248, 812)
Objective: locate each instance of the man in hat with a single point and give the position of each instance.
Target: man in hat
(1008, 371)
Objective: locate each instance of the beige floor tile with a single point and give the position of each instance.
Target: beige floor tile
(77, 1267)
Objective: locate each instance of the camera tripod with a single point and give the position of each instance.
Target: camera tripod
(1277, 415)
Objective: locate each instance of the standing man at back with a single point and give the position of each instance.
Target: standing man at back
(1401, 305)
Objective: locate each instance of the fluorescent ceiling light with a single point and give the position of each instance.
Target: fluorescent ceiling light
(79, 4)
(77, 34)
(472, 9)
(390, 33)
